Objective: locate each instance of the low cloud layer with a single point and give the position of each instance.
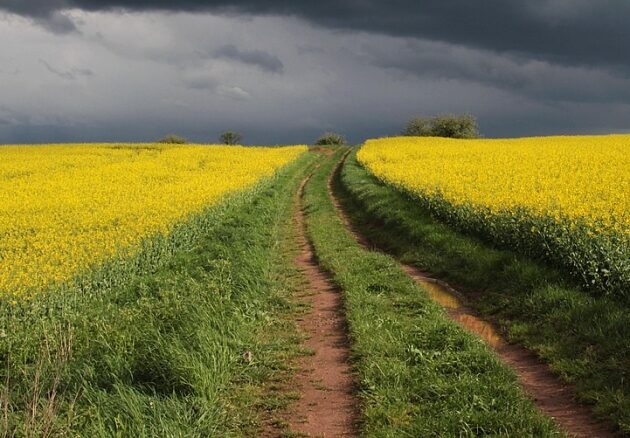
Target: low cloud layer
(86, 70)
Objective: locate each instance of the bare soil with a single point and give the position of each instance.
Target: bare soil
(550, 394)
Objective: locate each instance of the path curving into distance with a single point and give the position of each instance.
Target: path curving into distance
(549, 393)
(328, 406)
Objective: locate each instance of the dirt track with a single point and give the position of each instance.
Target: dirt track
(550, 394)
(327, 406)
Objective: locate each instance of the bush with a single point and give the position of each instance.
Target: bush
(330, 139)
(443, 125)
(173, 139)
(230, 138)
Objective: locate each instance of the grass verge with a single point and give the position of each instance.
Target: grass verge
(419, 374)
(583, 338)
(182, 349)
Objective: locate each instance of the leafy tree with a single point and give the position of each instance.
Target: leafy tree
(455, 126)
(418, 127)
(173, 139)
(443, 125)
(231, 138)
(330, 139)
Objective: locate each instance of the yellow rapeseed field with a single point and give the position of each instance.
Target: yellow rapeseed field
(579, 178)
(64, 208)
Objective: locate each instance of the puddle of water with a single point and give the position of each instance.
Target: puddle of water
(480, 328)
(448, 300)
(440, 294)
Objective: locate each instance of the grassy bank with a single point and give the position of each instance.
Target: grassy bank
(419, 374)
(584, 339)
(179, 348)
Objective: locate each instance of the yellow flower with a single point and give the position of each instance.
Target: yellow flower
(65, 208)
(583, 178)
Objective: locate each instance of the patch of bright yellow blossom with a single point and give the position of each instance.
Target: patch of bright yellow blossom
(64, 208)
(585, 178)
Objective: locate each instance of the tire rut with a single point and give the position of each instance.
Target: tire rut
(551, 395)
(328, 406)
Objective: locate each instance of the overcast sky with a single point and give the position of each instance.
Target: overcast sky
(284, 71)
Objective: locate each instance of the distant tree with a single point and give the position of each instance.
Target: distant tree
(418, 127)
(330, 139)
(231, 138)
(443, 125)
(173, 139)
(448, 125)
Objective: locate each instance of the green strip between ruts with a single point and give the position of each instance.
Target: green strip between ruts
(419, 374)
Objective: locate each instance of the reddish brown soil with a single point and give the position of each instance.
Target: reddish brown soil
(550, 394)
(327, 406)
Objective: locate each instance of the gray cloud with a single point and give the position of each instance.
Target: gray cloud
(57, 22)
(577, 32)
(48, 14)
(70, 75)
(9, 117)
(532, 78)
(12, 72)
(205, 82)
(201, 82)
(171, 72)
(265, 61)
(234, 92)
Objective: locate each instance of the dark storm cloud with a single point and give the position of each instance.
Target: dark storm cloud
(564, 31)
(46, 13)
(57, 22)
(283, 72)
(263, 60)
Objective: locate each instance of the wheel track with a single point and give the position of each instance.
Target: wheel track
(551, 395)
(328, 405)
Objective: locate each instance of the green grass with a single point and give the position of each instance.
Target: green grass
(159, 351)
(419, 374)
(584, 339)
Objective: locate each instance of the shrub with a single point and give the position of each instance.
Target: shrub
(330, 139)
(173, 139)
(230, 138)
(443, 125)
